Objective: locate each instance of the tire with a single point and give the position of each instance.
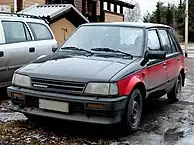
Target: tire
(175, 93)
(133, 112)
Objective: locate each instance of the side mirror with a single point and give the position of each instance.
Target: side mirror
(155, 54)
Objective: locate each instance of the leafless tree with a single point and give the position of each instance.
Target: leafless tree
(133, 15)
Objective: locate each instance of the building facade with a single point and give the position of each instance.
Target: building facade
(20, 4)
(94, 10)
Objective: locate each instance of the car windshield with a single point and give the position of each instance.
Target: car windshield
(125, 39)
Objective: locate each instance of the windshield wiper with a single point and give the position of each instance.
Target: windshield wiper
(111, 50)
(75, 48)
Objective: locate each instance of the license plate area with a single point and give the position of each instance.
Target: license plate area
(54, 105)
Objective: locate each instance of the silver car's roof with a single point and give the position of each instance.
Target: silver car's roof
(130, 24)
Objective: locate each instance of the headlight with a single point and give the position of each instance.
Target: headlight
(102, 89)
(21, 80)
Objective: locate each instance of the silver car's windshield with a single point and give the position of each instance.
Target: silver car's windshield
(125, 39)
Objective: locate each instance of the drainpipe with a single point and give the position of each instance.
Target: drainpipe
(15, 6)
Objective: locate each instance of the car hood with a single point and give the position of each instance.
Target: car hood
(75, 68)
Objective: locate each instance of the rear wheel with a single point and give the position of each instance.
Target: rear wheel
(175, 93)
(133, 112)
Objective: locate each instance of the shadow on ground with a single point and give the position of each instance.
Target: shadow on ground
(3, 94)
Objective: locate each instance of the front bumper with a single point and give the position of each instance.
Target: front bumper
(112, 112)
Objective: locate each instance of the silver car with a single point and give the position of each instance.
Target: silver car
(22, 40)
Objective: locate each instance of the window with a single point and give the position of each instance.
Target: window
(153, 41)
(126, 39)
(165, 41)
(15, 32)
(40, 31)
(174, 48)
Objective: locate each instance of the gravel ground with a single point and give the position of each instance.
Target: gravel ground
(162, 124)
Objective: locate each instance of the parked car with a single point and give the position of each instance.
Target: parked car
(23, 38)
(102, 74)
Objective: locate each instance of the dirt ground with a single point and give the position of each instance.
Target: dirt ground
(162, 124)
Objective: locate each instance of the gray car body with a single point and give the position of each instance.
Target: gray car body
(15, 55)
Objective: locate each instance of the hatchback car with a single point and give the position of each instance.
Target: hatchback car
(23, 38)
(102, 74)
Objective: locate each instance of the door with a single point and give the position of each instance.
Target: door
(44, 39)
(173, 56)
(3, 67)
(16, 46)
(156, 71)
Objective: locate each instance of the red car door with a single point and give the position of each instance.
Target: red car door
(156, 71)
(173, 58)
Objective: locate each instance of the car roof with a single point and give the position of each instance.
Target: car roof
(16, 18)
(129, 24)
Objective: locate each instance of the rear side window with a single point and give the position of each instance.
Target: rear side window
(174, 49)
(165, 41)
(40, 31)
(15, 32)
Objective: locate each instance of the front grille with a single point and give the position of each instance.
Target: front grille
(58, 86)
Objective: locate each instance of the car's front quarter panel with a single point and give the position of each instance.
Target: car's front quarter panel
(127, 84)
(129, 77)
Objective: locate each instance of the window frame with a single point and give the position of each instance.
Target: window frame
(23, 24)
(34, 34)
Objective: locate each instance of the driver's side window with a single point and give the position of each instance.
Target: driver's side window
(153, 40)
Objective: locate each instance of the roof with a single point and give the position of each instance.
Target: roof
(54, 12)
(20, 17)
(121, 3)
(131, 24)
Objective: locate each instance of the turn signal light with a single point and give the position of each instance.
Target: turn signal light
(95, 106)
(17, 95)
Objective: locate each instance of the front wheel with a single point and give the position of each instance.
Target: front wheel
(175, 93)
(133, 112)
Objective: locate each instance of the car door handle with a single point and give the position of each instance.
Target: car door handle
(178, 59)
(164, 64)
(1, 53)
(32, 49)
